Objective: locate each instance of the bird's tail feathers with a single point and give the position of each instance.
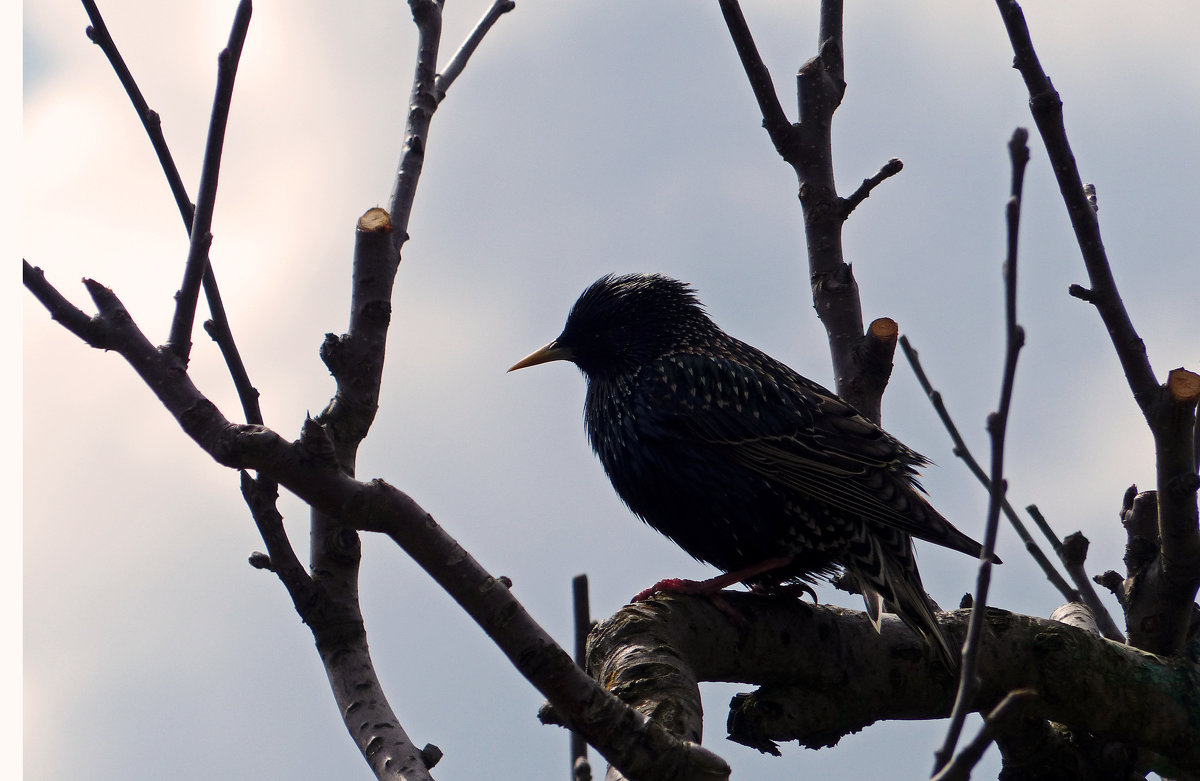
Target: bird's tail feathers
(889, 580)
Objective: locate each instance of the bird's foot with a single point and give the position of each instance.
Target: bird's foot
(707, 588)
(787, 590)
(699, 588)
(710, 588)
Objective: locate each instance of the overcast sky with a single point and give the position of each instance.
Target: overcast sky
(584, 138)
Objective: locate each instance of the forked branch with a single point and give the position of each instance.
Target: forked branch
(807, 146)
(218, 326)
(1169, 588)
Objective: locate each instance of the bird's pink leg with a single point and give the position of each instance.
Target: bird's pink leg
(710, 587)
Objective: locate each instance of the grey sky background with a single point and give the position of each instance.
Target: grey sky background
(584, 138)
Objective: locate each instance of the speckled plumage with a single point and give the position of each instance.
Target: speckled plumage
(738, 458)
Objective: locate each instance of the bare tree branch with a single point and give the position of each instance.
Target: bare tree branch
(341, 642)
(968, 680)
(459, 60)
(1073, 553)
(309, 468)
(808, 148)
(889, 169)
(775, 121)
(824, 672)
(1046, 106)
(329, 602)
(218, 327)
(180, 338)
(91, 330)
(1170, 410)
(356, 361)
(98, 34)
(582, 613)
(1012, 707)
(422, 102)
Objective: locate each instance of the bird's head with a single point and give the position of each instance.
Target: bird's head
(621, 322)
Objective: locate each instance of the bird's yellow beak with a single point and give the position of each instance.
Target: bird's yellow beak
(551, 352)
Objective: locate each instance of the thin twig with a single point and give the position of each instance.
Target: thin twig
(968, 681)
(261, 496)
(1046, 106)
(583, 626)
(1044, 525)
(1016, 704)
(180, 339)
(459, 60)
(889, 169)
(777, 125)
(963, 452)
(218, 327)
(98, 33)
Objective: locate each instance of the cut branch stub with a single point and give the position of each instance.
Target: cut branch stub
(1184, 386)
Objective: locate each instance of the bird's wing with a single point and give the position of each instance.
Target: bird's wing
(796, 434)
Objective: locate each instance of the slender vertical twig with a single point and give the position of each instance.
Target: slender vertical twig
(968, 680)
(582, 613)
(180, 339)
(422, 102)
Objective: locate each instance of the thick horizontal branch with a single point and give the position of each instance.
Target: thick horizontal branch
(825, 673)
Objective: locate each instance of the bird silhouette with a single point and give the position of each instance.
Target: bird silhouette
(743, 462)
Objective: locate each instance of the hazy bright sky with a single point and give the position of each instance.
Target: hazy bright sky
(584, 138)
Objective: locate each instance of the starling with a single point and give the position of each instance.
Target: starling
(741, 461)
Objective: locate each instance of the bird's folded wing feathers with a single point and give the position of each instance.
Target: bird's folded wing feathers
(801, 436)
